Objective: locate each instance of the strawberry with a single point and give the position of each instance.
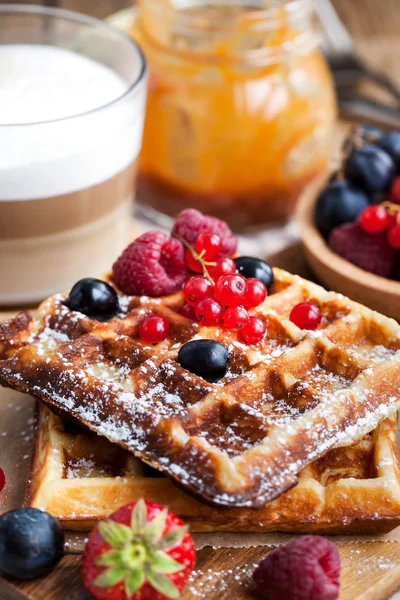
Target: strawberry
(142, 552)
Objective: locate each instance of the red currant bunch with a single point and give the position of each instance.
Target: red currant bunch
(208, 245)
(220, 294)
(206, 249)
(227, 302)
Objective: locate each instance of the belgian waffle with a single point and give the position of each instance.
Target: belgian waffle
(240, 442)
(79, 477)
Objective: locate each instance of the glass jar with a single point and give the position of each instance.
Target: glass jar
(240, 107)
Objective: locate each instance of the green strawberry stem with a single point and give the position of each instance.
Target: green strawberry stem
(138, 554)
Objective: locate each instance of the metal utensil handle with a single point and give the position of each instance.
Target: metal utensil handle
(364, 109)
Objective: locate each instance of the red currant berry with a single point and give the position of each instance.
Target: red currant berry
(230, 290)
(253, 332)
(395, 191)
(208, 245)
(209, 312)
(236, 317)
(256, 292)
(2, 480)
(188, 312)
(394, 237)
(197, 288)
(154, 329)
(192, 263)
(306, 316)
(223, 266)
(374, 219)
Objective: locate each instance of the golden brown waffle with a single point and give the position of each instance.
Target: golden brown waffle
(239, 442)
(79, 478)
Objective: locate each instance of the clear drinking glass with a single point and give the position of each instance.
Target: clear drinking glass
(72, 101)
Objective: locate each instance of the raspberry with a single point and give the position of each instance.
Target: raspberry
(369, 252)
(308, 568)
(306, 316)
(190, 223)
(2, 480)
(153, 265)
(154, 329)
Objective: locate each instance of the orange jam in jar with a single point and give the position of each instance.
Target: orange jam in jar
(240, 107)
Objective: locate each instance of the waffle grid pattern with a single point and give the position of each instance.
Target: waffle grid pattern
(79, 478)
(241, 442)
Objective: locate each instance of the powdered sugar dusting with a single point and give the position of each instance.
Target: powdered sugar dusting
(249, 424)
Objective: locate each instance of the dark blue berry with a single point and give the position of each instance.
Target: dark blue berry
(206, 358)
(370, 169)
(390, 143)
(31, 543)
(338, 204)
(248, 266)
(94, 298)
(369, 130)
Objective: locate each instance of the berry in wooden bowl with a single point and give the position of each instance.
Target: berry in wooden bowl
(351, 229)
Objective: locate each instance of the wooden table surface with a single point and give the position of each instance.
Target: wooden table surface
(370, 571)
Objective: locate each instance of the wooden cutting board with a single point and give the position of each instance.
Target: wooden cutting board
(370, 570)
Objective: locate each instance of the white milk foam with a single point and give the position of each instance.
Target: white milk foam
(41, 156)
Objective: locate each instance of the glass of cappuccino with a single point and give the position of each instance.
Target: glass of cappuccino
(72, 101)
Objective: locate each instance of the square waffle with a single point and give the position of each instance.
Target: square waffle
(240, 442)
(79, 477)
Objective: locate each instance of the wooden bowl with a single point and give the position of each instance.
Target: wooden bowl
(338, 274)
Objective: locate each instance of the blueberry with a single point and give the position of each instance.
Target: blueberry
(94, 298)
(390, 143)
(369, 130)
(31, 543)
(338, 204)
(371, 169)
(206, 358)
(249, 266)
